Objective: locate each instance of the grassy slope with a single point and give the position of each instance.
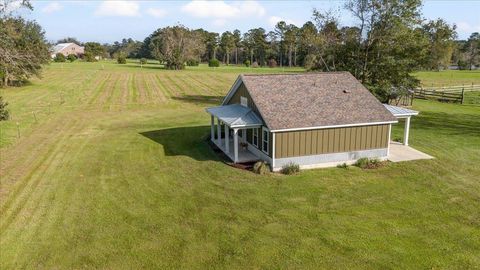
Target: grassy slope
(115, 174)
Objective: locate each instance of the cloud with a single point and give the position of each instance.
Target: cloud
(465, 27)
(156, 12)
(11, 6)
(118, 8)
(221, 10)
(273, 20)
(219, 22)
(52, 7)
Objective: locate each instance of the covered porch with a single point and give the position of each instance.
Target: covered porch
(228, 126)
(401, 151)
(402, 113)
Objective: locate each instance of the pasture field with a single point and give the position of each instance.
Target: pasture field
(108, 168)
(448, 78)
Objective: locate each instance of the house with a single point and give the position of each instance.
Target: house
(67, 49)
(311, 119)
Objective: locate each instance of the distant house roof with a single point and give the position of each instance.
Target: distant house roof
(61, 46)
(313, 100)
(236, 115)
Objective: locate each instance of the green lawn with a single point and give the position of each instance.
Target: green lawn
(115, 174)
(448, 78)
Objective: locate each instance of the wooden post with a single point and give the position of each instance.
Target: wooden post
(463, 94)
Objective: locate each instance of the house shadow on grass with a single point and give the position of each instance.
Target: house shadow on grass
(448, 124)
(200, 99)
(184, 141)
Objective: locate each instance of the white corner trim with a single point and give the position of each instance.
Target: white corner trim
(273, 150)
(389, 137)
(335, 126)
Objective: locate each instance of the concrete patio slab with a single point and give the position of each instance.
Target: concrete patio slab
(399, 152)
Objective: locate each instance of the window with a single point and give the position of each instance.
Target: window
(255, 137)
(265, 140)
(244, 101)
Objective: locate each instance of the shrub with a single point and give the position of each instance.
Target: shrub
(89, 57)
(290, 168)
(260, 167)
(4, 114)
(71, 57)
(462, 65)
(143, 61)
(213, 63)
(192, 63)
(246, 63)
(342, 166)
(255, 64)
(59, 57)
(397, 139)
(272, 63)
(366, 163)
(121, 59)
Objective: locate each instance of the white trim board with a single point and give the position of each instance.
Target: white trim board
(335, 126)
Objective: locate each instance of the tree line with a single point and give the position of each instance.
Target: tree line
(388, 41)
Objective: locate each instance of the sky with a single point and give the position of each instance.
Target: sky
(109, 21)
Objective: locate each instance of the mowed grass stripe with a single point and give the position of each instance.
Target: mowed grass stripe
(204, 85)
(173, 82)
(99, 89)
(133, 92)
(220, 81)
(140, 86)
(168, 85)
(125, 90)
(13, 167)
(48, 209)
(107, 91)
(111, 98)
(161, 86)
(157, 94)
(190, 87)
(115, 101)
(17, 166)
(21, 194)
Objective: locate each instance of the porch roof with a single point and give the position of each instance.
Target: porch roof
(400, 111)
(235, 115)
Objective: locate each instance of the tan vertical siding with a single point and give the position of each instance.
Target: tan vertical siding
(332, 140)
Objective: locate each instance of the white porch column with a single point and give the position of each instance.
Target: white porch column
(212, 128)
(235, 145)
(406, 131)
(219, 132)
(227, 141)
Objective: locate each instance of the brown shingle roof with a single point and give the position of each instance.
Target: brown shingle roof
(290, 101)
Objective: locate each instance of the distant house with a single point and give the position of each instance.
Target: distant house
(67, 49)
(311, 119)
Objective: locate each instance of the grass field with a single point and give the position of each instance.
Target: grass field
(108, 168)
(448, 78)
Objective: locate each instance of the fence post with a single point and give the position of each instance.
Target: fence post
(463, 94)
